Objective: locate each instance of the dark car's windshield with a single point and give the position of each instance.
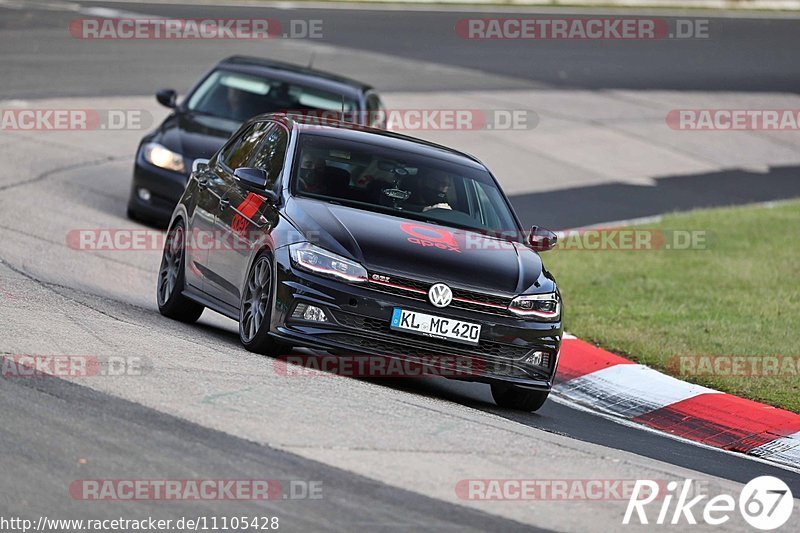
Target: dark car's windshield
(407, 184)
(238, 97)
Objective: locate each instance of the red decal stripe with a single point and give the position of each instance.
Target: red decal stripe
(579, 358)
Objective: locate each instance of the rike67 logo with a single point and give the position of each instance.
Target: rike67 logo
(765, 503)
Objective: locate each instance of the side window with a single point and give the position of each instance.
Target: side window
(488, 212)
(271, 153)
(241, 149)
(376, 115)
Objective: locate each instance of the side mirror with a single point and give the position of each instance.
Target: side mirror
(167, 97)
(199, 164)
(541, 239)
(255, 179)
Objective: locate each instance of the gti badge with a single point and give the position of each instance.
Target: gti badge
(440, 295)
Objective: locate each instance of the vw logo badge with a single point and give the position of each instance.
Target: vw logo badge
(440, 295)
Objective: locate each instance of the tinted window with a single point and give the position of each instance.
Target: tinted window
(240, 97)
(239, 150)
(375, 112)
(271, 153)
(398, 182)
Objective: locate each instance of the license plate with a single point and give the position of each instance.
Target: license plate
(435, 326)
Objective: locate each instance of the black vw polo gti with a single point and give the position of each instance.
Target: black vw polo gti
(361, 241)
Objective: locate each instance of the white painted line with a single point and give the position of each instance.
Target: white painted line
(111, 13)
(784, 450)
(48, 6)
(699, 8)
(629, 390)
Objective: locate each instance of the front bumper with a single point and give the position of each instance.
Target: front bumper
(359, 318)
(165, 187)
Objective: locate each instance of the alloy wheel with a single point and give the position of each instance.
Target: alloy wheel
(170, 264)
(256, 298)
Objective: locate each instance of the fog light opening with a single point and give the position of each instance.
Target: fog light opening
(535, 358)
(312, 313)
(144, 194)
(315, 314)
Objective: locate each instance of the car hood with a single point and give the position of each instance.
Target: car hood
(403, 247)
(194, 136)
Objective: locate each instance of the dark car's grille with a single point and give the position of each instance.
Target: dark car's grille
(492, 349)
(462, 298)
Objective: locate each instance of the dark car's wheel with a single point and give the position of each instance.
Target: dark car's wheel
(171, 279)
(255, 309)
(512, 397)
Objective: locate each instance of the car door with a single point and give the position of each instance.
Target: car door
(249, 214)
(236, 153)
(207, 189)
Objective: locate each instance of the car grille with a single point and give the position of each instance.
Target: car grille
(462, 298)
(496, 350)
(384, 347)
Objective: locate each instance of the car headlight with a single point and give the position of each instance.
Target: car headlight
(537, 305)
(162, 157)
(320, 261)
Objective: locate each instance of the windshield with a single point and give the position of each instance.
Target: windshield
(397, 182)
(239, 97)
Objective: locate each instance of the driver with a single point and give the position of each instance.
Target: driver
(433, 193)
(309, 176)
(237, 100)
(241, 104)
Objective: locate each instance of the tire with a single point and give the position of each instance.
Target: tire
(172, 279)
(255, 308)
(513, 397)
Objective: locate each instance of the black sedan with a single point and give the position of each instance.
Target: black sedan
(356, 240)
(234, 90)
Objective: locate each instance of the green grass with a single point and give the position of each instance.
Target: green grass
(741, 296)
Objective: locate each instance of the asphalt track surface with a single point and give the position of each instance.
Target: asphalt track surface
(49, 424)
(751, 54)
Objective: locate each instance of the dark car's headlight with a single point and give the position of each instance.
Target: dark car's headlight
(537, 305)
(320, 261)
(162, 157)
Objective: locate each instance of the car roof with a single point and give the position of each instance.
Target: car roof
(358, 133)
(296, 73)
